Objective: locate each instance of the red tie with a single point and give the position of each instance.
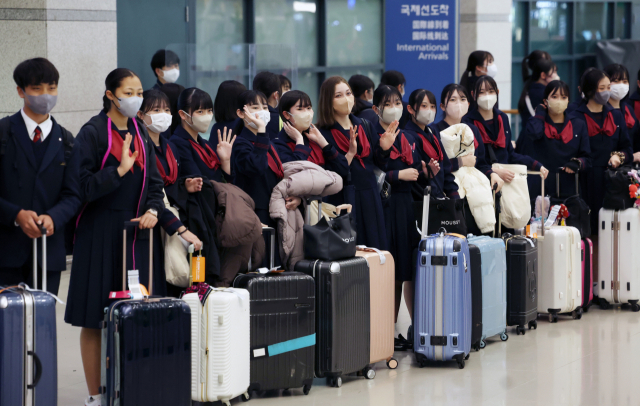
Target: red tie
(38, 133)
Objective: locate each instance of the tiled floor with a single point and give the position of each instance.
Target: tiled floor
(591, 362)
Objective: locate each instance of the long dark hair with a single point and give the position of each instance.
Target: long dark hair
(541, 66)
(112, 82)
(476, 58)
(489, 82)
(153, 98)
(590, 81)
(359, 85)
(616, 72)
(530, 61)
(224, 106)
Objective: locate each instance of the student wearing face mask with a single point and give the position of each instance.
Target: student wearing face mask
(480, 63)
(619, 100)
(396, 79)
(557, 141)
(197, 158)
(404, 168)
(608, 140)
(543, 72)
(155, 115)
(269, 84)
(454, 102)
(495, 131)
(362, 88)
(224, 108)
(39, 180)
(300, 140)
(119, 182)
(364, 149)
(166, 66)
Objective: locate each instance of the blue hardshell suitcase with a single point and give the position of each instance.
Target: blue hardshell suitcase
(494, 287)
(442, 309)
(28, 345)
(146, 349)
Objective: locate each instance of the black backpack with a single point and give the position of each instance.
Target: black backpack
(616, 195)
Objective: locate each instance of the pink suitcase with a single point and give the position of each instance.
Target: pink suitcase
(587, 273)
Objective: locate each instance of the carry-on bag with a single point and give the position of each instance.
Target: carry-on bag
(616, 195)
(28, 344)
(442, 308)
(587, 274)
(618, 237)
(475, 266)
(559, 275)
(146, 347)
(522, 282)
(579, 211)
(282, 330)
(382, 292)
(494, 287)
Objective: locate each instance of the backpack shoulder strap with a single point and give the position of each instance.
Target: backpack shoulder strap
(5, 132)
(68, 140)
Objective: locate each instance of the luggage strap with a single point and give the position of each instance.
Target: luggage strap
(364, 248)
(285, 346)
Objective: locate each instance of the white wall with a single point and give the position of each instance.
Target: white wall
(485, 25)
(77, 36)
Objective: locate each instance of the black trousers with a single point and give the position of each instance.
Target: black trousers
(24, 274)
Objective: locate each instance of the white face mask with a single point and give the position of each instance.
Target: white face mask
(263, 115)
(487, 102)
(619, 91)
(492, 70)
(426, 116)
(160, 122)
(391, 114)
(457, 110)
(171, 75)
(200, 123)
(302, 121)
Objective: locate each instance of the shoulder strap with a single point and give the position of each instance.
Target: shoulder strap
(368, 128)
(5, 132)
(68, 140)
(492, 154)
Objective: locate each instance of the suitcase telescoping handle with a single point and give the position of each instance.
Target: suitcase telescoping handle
(560, 169)
(310, 199)
(128, 224)
(43, 230)
(425, 211)
(542, 219)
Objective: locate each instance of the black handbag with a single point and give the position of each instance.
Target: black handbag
(616, 195)
(331, 240)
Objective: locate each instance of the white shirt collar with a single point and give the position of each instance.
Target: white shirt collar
(45, 126)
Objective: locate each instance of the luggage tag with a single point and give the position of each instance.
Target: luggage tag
(136, 290)
(197, 267)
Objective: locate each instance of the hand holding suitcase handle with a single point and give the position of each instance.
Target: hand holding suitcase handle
(128, 224)
(542, 191)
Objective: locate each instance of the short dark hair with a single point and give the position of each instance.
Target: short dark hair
(384, 93)
(482, 80)
(153, 98)
(285, 81)
(163, 57)
(34, 72)
(224, 106)
(266, 83)
(193, 99)
(557, 86)
(360, 84)
(248, 98)
(590, 82)
(290, 99)
(417, 97)
(449, 90)
(173, 90)
(616, 72)
(392, 78)
(112, 82)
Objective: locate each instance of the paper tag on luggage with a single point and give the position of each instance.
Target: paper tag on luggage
(553, 215)
(197, 268)
(134, 285)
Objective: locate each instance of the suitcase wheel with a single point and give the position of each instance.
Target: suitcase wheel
(553, 318)
(521, 330)
(532, 323)
(467, 357)
(334, 382)
(306, 389)
(635, 307)
(577, 313)
(482, 344)
(245, 397)
(504, 336)
(461, 364)
(604, 305)
(392, 363)
(369, 373)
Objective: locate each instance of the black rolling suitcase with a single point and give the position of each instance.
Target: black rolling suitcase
(476, 296)
(522, 282)
(283, 329)
(343, 317)
(146, 349)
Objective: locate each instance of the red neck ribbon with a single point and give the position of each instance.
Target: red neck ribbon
(343, 143)
(406, 155)
(116, 148)
(608, 128)
(173, 168)
(208, 156)
(500, 141)
(316, 152)
(628, 118)
(565, 135)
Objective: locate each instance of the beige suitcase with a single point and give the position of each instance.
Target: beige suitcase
(382, 277)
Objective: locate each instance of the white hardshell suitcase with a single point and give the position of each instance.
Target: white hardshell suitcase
(559, 272)
(220, 345)
(618, 238)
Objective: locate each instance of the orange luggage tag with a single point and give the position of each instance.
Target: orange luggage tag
(197, 267)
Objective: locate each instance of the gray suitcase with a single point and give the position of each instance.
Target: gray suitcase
(28, 347)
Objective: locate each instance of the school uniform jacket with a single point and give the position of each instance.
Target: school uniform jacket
(497, 134)
(198, 159)
(168, 164)
(327, 157)
(48, 187)
(554, 146)
(429, 146)
(367, 112)
(273, 126)
(230, 125)
(631, 119)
